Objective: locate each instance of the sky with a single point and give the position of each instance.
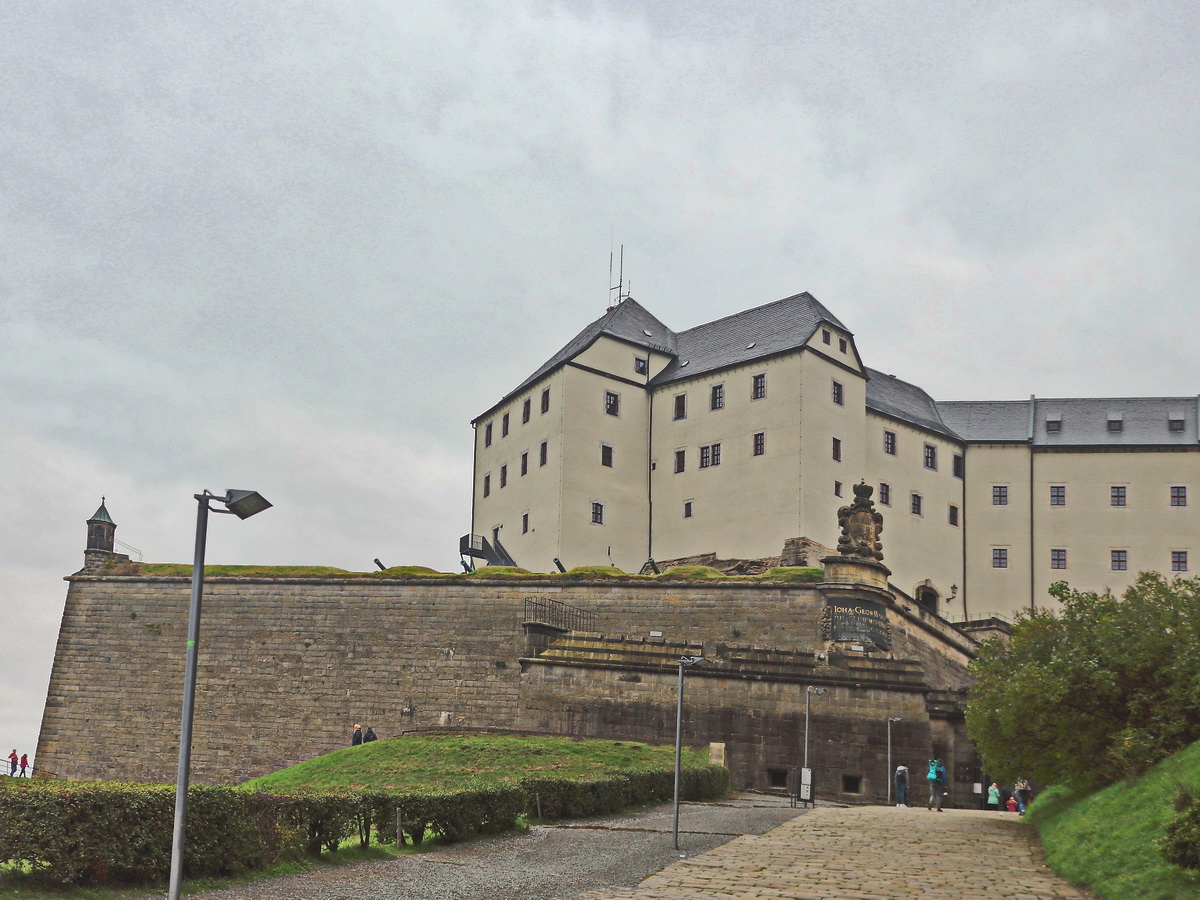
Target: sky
(296, 246)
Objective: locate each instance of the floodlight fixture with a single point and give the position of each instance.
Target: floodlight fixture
(244, 504)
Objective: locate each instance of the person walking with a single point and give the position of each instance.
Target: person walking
(1021, 791)
(937, 783)
(993, 801)
(901, 785)
(24, 764)
(357, 737)
(370, 735)
(12, 763)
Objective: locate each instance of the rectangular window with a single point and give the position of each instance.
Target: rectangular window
(641, 366)
(597, 513)
(717, 399)
(680, 461)
(999, 558)
(504, 476)
(1119, 560)
(546, 400)
(1053, 426)
(837, 449)
(999, 495)
(1058, 559)
(710, 455)
(1115, 425)
(889, 443)
(953, 514)
(524, 523)
(759, 443)
(1116, 495)
(914, 505)
(606, 455)
(525, 463)
(542, 451)
(1175, 424)
(960, 466)
(687, 509)
(885, 494)
(1178, 495)
(504, 426)
(487, 485)
(839, 394)
(487, 435)
(826, 337)
(612, 403)
(680, 406)
(526, 408)
(931, 457)
(842, 344)
(1179, 561)
(758, 386)
(1058, 495)
(837, 489)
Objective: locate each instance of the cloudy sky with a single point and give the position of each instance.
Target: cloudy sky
(297, 245)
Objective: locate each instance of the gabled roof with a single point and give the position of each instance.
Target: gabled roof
(786, 324)
(1083, 422)
(889, 395)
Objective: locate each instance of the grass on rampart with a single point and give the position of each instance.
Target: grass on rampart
(777, 575)
(1108, 840)
(442, 761)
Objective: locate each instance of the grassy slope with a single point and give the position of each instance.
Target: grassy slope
(1108, 840)
(445, 761)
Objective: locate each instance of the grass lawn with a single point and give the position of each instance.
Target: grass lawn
(447, 761)
(1108, 840)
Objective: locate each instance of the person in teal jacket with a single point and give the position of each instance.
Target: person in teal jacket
(937, 783)
(993, 801)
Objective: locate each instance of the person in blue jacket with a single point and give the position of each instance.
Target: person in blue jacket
(937, 783)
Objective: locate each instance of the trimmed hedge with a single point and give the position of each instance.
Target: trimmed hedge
(93, 832)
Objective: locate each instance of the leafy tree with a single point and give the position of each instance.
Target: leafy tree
(1095, 692)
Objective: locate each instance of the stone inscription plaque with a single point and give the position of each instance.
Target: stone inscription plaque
(859, 621)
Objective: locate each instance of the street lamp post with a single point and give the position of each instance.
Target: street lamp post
(890, 777)
(683, 661)
(808, 693)
(242, 504)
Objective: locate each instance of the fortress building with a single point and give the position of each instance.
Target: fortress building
(741, 438)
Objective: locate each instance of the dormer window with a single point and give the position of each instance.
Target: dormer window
(1175, 422)
(1053, 424)
(1116, 423)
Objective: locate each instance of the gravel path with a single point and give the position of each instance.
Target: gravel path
(548, 863)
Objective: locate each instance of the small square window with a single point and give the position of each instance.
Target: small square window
(597, 513)
(931, 457)
(999, 495)
(1058, 559)
(851, 784)
(1117, 495)
(680, 406)
(837, 489)
(606, 455)
(837, 449)
(1115, 425)
(1178, 495)
(758, 386)
(914, 505)
(759, 443)
(842, 344)
(839, 394)
(542, 453)
(1175, 424)
(487, 485)
(1053, 426)
(1179, 561)
(680, 461)
(526, 409)
(687, 509)
(953, 514)
(1119, 560)
(1058, 495)
(717, 397)
(885, 494)
(546, 400)
(525, 463)
(641, 366)
(612, 403)
(960, 465)
(524, 523)
(504, 476)
(504, 425)
(999, 558)
(826, 337)
(487, 435)
(889, 443)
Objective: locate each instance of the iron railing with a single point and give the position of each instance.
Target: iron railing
(559, 615)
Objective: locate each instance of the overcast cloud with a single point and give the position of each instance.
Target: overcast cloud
(297, 246)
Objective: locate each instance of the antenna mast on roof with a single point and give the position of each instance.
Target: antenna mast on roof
(619, 287)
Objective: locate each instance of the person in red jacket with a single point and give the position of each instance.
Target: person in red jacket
(12, 762)
(24, 763)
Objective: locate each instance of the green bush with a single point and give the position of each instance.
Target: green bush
(1180, 845)
(561, 798)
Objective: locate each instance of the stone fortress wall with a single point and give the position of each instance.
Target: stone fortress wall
(289, 665)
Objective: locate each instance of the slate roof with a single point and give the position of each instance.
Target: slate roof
(889, 395)
(786, 324)
(1145, 421)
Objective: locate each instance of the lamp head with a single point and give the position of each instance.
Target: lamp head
(245, 504)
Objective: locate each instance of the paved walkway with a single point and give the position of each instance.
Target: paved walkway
(866, 853)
